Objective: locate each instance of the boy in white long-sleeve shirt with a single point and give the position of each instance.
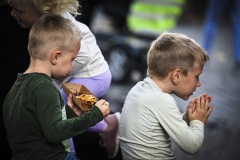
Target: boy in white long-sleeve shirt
(150, 117)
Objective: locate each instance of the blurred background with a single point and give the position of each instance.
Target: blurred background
(124, 30)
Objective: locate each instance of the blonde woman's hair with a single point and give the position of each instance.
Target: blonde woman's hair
(47, 6)
(52, 32)
(173, 50)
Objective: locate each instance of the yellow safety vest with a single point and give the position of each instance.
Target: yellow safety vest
(153, 16)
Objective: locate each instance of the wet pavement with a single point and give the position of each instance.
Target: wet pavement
(219, 79)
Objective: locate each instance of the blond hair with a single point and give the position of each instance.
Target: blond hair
(47, 6)
(173, 50)
(52, 32)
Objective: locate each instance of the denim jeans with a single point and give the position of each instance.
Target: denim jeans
(71, 156)
(215, 10)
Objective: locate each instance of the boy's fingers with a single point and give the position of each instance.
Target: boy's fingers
(202, 100)
(209, 98)
(198, 103)
(191, 106)
(194, 99)
(203, 95)
(206, 104)
(209, 110)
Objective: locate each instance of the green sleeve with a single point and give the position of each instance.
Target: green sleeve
(70, 112)
(50, 116)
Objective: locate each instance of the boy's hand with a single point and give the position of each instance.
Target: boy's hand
(104, 107)
(199, 109)
(73, 106)
(206, 97)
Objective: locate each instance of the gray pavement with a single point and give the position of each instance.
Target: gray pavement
(222, 131)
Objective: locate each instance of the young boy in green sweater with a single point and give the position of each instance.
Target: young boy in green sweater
(34, 113)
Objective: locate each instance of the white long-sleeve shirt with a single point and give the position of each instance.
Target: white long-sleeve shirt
(90, 60)
(150, 119)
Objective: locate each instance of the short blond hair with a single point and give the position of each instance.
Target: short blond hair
(47, 6)
(51, 32)
(174, 50)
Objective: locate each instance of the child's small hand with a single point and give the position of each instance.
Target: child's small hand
(73, 106)
(206, 97)
(191, 106)
(199, 109)
(104, 107)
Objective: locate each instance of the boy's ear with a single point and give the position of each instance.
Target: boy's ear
(176, 76)
(54, 57)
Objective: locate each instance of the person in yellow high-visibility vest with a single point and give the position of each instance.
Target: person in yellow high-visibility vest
(153, 16)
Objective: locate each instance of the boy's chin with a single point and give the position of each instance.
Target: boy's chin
(185, 97)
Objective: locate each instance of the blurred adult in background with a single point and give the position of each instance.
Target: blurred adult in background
(215, 10)
(153, 17)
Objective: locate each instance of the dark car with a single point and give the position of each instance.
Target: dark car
(126, 56)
